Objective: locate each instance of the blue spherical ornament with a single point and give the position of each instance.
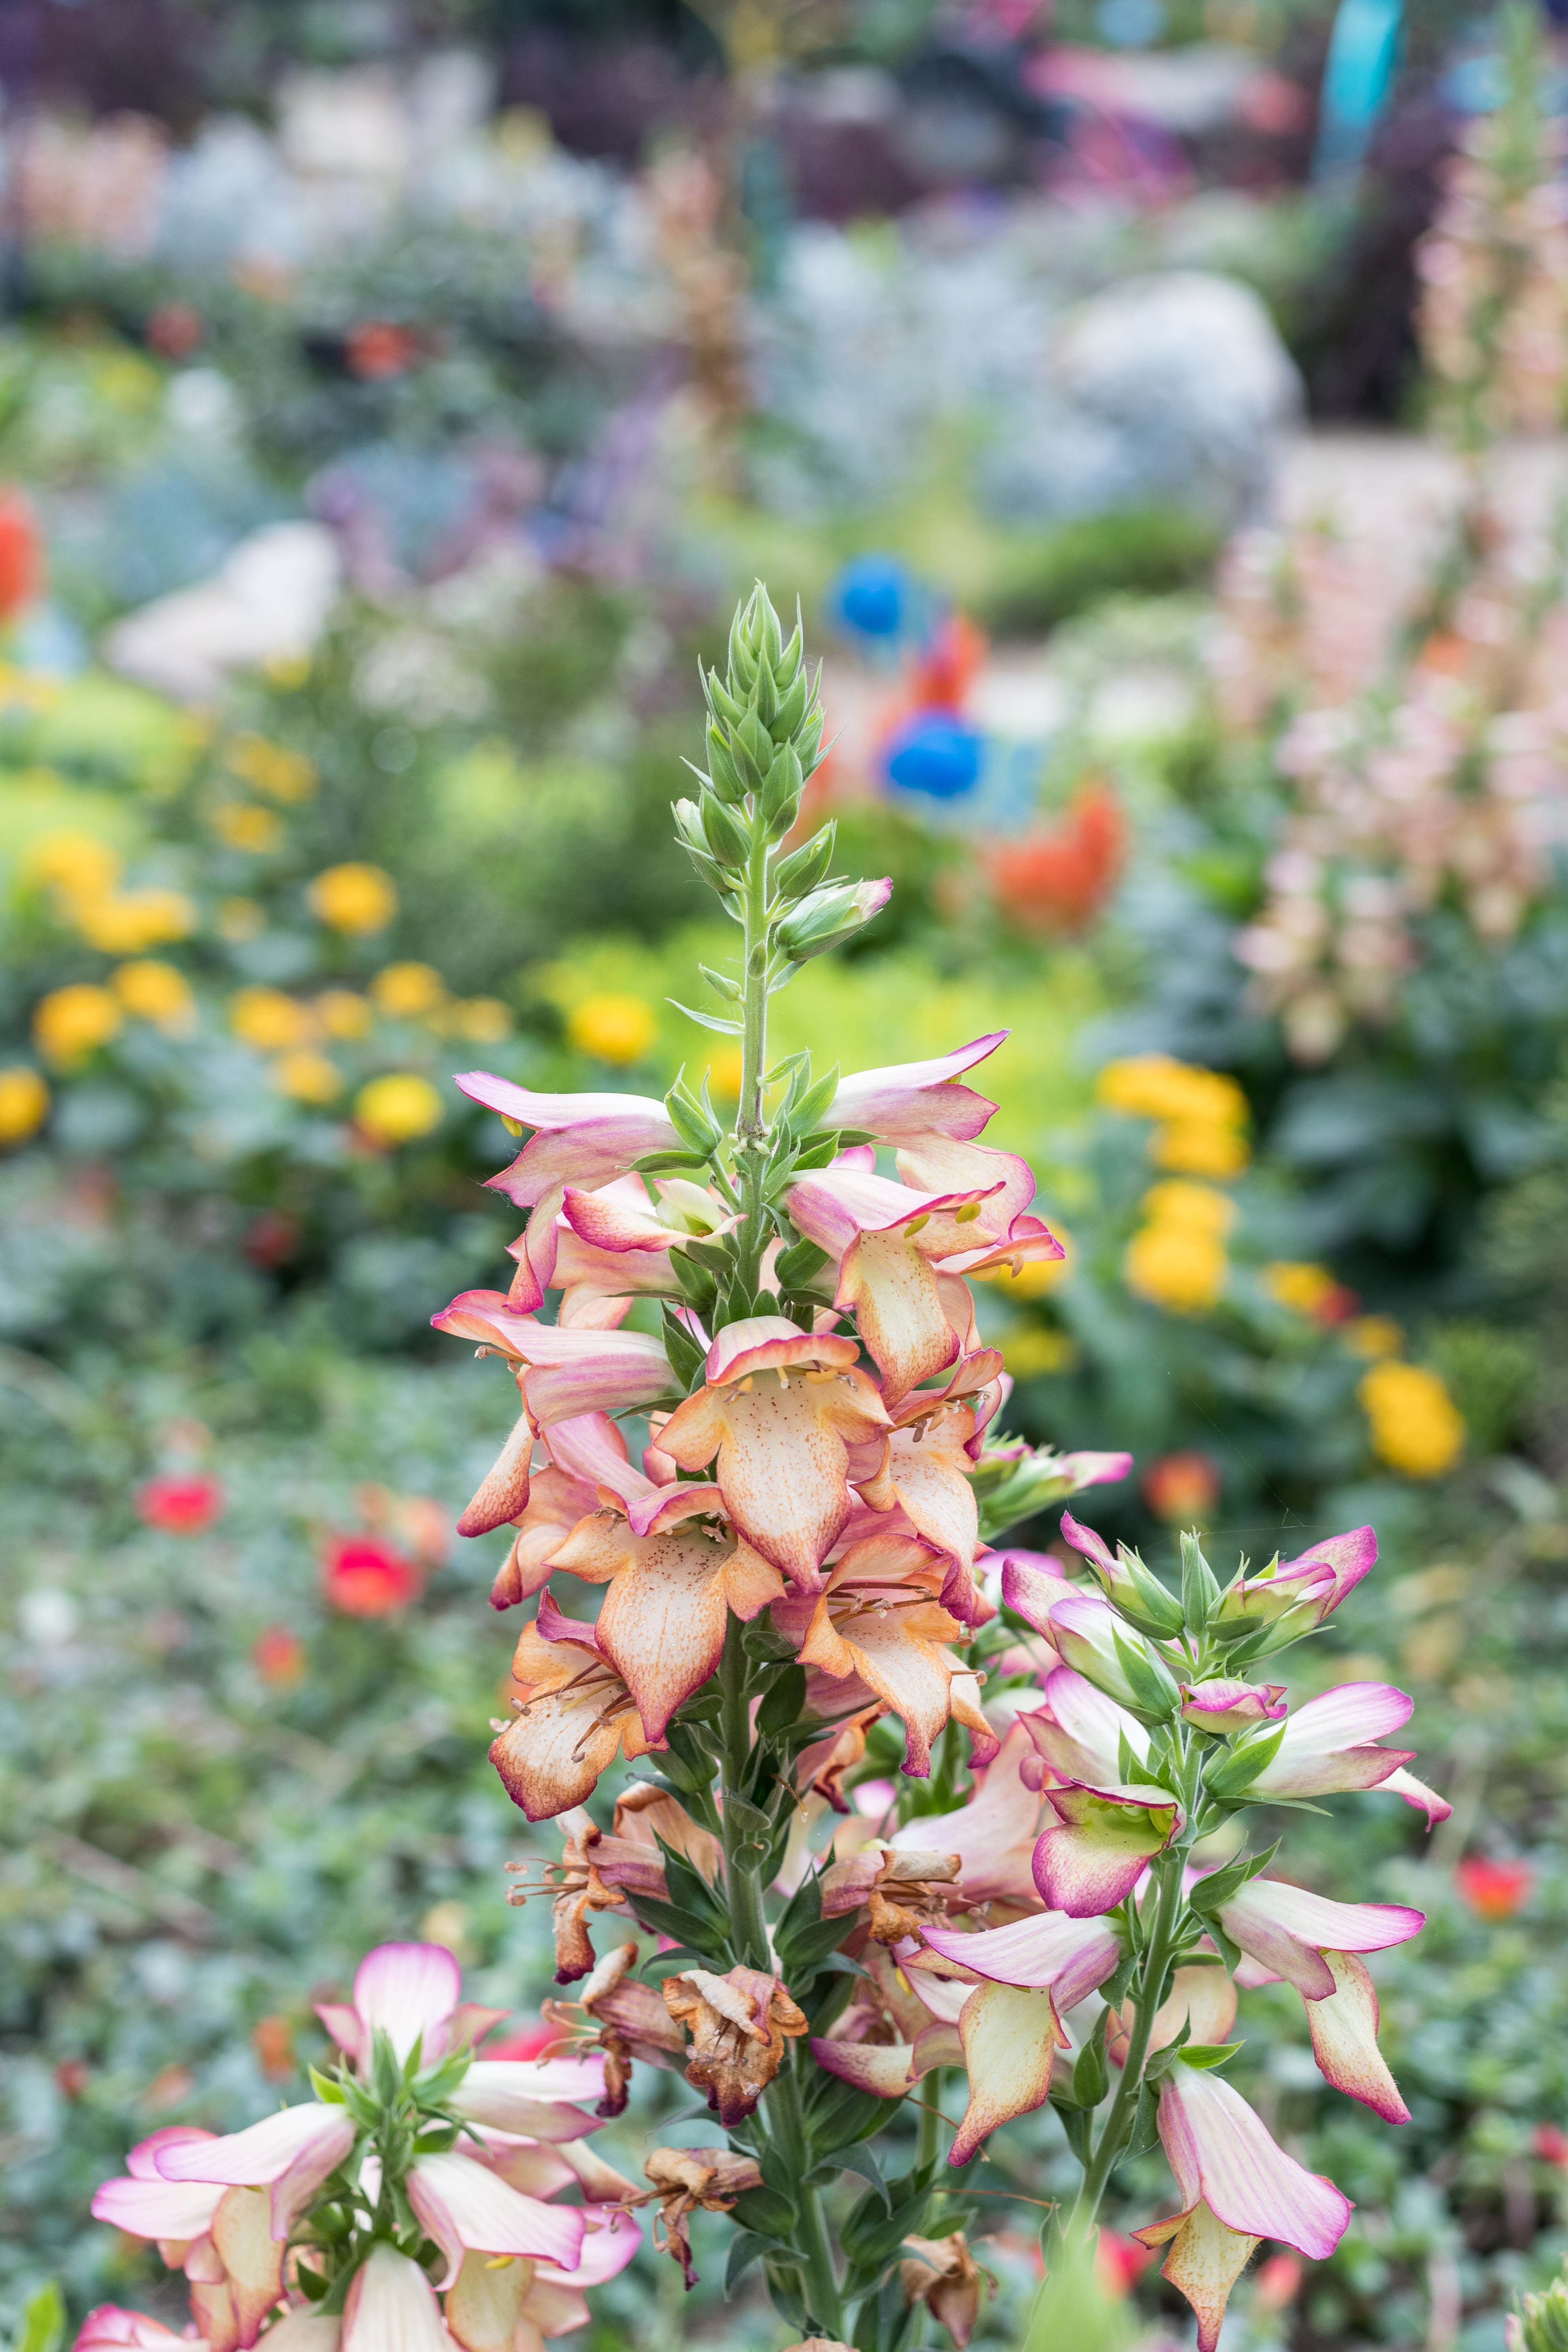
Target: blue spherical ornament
(936, 754)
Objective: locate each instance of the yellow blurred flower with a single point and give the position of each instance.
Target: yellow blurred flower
(354, 898)
(242, 826)
(1415, 1425)
(155, 991)
(1199, 1146)
(128, 922)
(307, 1077)
(1295, 1282)
(271, 767)
(343, 1014)
(404, 991)
(482, 1019)
(239, 919)
(1195, 1208)
(1035, 1350)
(613, 1028)
(1156, 1085)
(71, 1022)
(1178, 1266)
(397, 1107)
(24, 1103)
(77, 864)
(288, 672)
(1374, 1335)
(272, 1022)
(726, 1067)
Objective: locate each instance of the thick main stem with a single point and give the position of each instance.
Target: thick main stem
(748, 1920)
(1146, 1995)
(787, 2124)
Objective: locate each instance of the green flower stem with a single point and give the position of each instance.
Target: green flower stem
(749, 1128)
(1147, 1991)
(748, 1921)
(786, 2127)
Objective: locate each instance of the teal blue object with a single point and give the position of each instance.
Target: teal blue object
(1363, 51)
(935, 755)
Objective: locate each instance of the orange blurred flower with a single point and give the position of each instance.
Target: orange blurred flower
(1494, 1890)
(279, 1656)
(1058, 881)
(364, 1577)
(1182, 1488)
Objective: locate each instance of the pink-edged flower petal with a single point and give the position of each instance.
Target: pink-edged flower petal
(539, 2098)
(1328, 1744)
(408, 1991)
(1289, 1928)
(1089, 1542)
(1348, 1558)
(1010, 2037)
(1345, 2040)
(1416, 1792)
(1079, 1731)
(1106, 1839)
(463, 2205)
(910, 1100)
(1032, 1584)
(1049, 1952)
(610, 2240)
(772, 1343)
(885, 2069)
(110, 2325)
(1227, 1703)
(1205, 2262)
(293, 2151)
(391, 2307)
(993, 1835)
(570, 1373)
(178, 2210)
(1223, 2157)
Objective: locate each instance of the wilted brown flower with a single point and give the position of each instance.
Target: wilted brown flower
(739, 2024)
(685, 2177)
(943, 2274)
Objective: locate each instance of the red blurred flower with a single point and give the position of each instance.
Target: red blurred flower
(1494, 1890)
(1278, 2282)
(1058, 881)
(72, 2076)
(531, 2044)
(1336, 1305)
(175, 330)
(272, 2039)
(380, 350)
(1551, 2144)
(364, 1577)
(1120, 2262)
(1181, 1486)
(21, 555)
(180, 1505)
(944, 672)
(279, 1657)
(271, 1239)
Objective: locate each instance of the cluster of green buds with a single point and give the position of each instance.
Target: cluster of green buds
(1541, 2323)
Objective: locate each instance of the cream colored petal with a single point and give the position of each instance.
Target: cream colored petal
(1010, 2035)
(1204, 2264)
(898, 1309)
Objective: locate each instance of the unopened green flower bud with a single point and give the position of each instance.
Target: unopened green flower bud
(803, 868)
(1542, 2322)
(830, 916)
(727, 837)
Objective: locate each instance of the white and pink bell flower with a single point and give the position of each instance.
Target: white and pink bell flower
(1237, 2187)
(1288, 1932)
(582, 1140)
(1330, 1745)
(220, 2237)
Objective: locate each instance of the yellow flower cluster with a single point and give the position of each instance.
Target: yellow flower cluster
(1415, 1425)
(282, 774)
(156, 992)
(84, 875)
(71, 1022)
(1295, 1282)
(619, 1029)
(354, 898)
(240, 824)
(398, 1108)
(23, 1103)
(1177, 1256)
(1200, 1115)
